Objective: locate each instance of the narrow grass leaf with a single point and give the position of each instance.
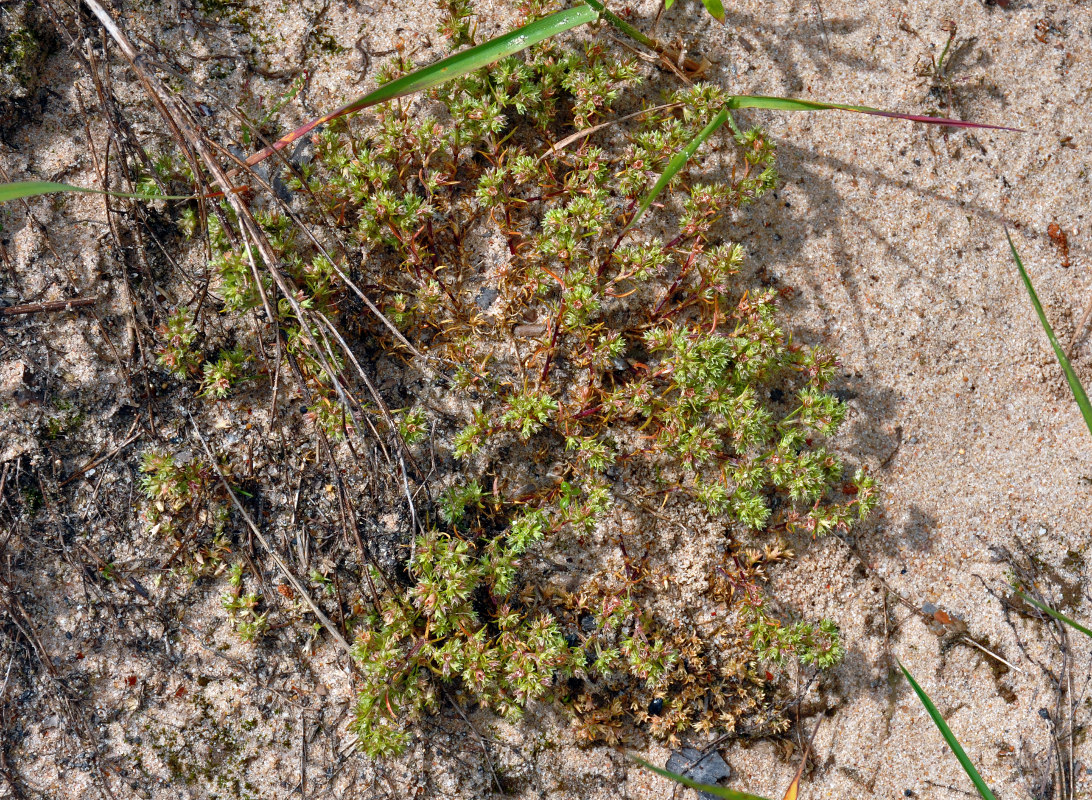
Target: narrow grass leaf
(1058, 615)
(1071, 376)
(791, 104)
(625, 27)
(777, 104)
(949, 737)
(677, 162)
(715, 8)
(716, 791)
(451, 67)
(24, 189)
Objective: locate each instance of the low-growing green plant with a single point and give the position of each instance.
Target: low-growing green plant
(405, 645)
(65, 419)
(227, 371)
(634, 354)
(606, 353)
(456, 500)
(185, 504)
(605, 363)
(179, 333)
(413, 426)
(242, 609)
(322, 581)
(817, 644)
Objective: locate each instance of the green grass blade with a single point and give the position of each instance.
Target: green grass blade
(776, 104)
(715, 8)
(17, 191)
(949, 737)
(791, 104)
(677, 162)
(1058, 615)
(717, 791)
(451, 67)
(625, 27)
(24, 189)
(1071, 376)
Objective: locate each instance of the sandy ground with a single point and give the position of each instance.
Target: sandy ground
(892, 236)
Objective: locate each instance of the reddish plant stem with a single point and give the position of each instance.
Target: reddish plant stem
(679, 279)
(553, 342)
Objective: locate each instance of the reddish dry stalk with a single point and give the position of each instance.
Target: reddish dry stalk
(52, 305)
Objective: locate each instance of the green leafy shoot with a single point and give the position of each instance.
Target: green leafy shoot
(717, 791)
(677, 162)
(714, 7)
(949, 737)
(1071, 376)
(446, 69)
(1058, 615)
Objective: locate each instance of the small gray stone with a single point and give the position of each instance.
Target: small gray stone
(705, 768)
(486, 297)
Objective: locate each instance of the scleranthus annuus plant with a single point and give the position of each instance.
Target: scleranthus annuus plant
(595, 369)
(185, 505)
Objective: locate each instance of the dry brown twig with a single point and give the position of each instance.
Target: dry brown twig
(48, 306)
(253, 236)
(481, 741)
